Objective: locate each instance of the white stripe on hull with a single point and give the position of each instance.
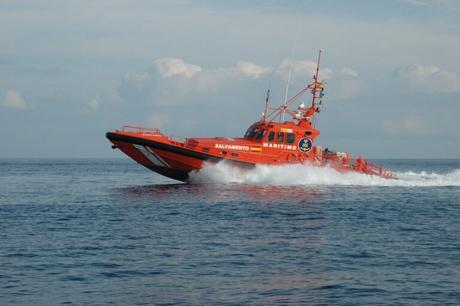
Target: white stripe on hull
(152, 156)
(158, 156)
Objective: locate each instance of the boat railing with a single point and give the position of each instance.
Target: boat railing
(370, 168)
(140, 129)
(177, 138)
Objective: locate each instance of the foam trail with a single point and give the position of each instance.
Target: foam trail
(309, 175)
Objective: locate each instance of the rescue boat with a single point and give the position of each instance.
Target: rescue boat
(272, 140)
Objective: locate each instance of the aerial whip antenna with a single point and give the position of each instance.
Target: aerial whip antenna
(290, 72)
(267, 97)
(288, 84)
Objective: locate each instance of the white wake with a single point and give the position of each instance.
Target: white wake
(310, 175)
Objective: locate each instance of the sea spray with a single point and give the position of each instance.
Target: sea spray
(301, 174)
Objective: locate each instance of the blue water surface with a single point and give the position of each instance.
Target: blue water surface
(107, 231)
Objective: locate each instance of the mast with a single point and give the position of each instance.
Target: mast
(315, 88)
(316, 83)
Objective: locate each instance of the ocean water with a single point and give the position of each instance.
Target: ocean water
(108, 231)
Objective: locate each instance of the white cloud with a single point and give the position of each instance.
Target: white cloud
(14, 99)
(430, 78)
(303, 69)
(179, 77)
(251, 69)
(348, 72)
(188, 77)
(93, 106)
(170, 67)
(419, 71)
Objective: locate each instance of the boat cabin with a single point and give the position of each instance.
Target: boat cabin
(287, 133)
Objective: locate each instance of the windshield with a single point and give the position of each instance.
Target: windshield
(254, 131)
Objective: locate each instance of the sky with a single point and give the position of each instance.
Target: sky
(72, 70)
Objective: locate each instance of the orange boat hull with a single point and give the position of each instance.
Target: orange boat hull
(177, 159)
(168, 159)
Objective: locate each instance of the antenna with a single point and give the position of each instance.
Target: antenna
(267, 97)
(288, 82)
(287, 90)
(294, 45)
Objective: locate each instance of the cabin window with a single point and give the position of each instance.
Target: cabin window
(250, 132)
(235, 155)
(246, 135)
(260, 135)
(223, 152)
(280, 138)
(307, 133)
(271, 136)
(290, 138)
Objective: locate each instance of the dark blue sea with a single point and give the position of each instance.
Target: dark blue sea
(108, 231)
